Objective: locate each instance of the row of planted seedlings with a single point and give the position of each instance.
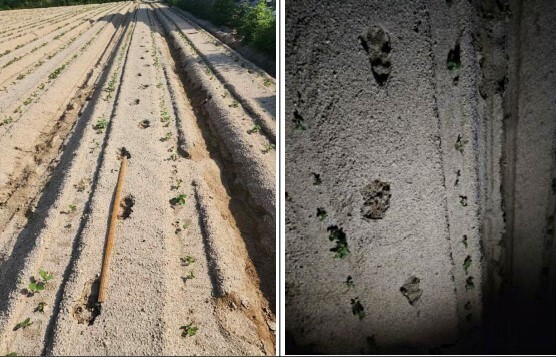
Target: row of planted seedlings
(30, 69)
(179, 198)
(233, 102)
(41, 88)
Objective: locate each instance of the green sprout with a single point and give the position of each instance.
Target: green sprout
(166, 137)
(267, 82)
(100, 125)
(460, 144)
(178, 200)
(12, 354)
(467, 264)
(72, 208)
(45, 276)
(7, 120)
(321, 213)
(349, 282)
(35, 287)
(357, 309)
(268, 148)
(469, 283)
(24, 324)
(191, 275)
(187, 260)
(255, 129)
(189, 330)
(338, 236)
(40, 307)
(234, 104)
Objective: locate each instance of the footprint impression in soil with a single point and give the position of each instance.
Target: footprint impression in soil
(376, 43)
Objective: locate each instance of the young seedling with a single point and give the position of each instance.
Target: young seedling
(255, 129)
(349, 282)
(173, 156)
(24, 324)
(191, 275)
(179, 200)
(464, 241)
(187, 260)
(72, 208)
(467, 264)
(338, 236)
(178, 184)
(166, 137)
(469, 283)
(35, 288)
(298, 121)
(267, 82)
(316, 179)
(40, 307)
(46, 277)
(20, 77)
(321, 213)
(460, 144)
(100, 125)
(234, 104)
(188, 330)
(7, 120)
(268, 148)
(12, 354)
(357, 309)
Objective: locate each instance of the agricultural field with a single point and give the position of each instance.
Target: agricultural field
(83, 88)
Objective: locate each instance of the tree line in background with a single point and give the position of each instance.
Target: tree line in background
(256, 25)
(27, 4)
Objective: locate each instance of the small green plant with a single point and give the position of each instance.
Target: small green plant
(21, 76)
(187, 260)
(357, 309)
(72, 208)
(12, 354)
(298, 121)
(234, 104)
(46, 277)
(100, 125)
(460, 144)
(164, 116)
(267, 82)
(7, 120)
(166, 137)
(321, 213)
(316, 179)
(159, 84)
(35, 287)
(173, 156)
(191, 275)
(268, 148)
(27, 101)
(469, 284)
(24, 324)
(255, 129)
(185, 225)
(188, 330)
(177, 185)
(57, 72)
(338, 236)
(467, 264)
(349, 282)
(40, 307)
(179, 200)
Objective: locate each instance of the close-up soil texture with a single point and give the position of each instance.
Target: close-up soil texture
(134, 95)
(420, 176)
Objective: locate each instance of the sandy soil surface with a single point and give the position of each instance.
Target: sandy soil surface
(195, 240)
